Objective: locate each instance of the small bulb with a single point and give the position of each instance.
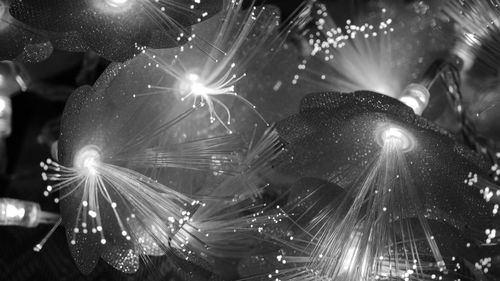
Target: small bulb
(23, 213)
(87, 160)
(416, 97)
(191, 85)
(394, 136)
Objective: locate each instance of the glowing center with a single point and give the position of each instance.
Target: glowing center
(415, 96)
(13, 212)
(87, 160)
(199, 89)
(3, 105)
(395, 137)
(195, 87)
(117, 3)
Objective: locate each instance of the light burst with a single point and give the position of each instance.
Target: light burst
(398, 215)
(209, 69)
(353, 57)
(119, 207)
(114, 204)
(383, 53)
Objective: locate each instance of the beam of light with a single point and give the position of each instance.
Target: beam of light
(116, 7)
(387, 195)
(158, 220)
(116, 3)
(5, 116)
(218, 154)
(97, 184)
(370, 235)
(206, 78)
(221, 155)
(395, 136)
(353, 57)
(220, 223)
(478, 28)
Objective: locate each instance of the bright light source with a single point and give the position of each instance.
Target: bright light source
(3, 105)
(5, 116)
(192, 85)
(13, 212)
(87, 160)
(19, 213)
(395, 137)
(415, 96)
(117, 3)
(198, 89)
(113, 6)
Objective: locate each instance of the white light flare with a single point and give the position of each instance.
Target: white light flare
(395, 137)
(87, 160)
(205, 94)
(116, 3)
(96, 184)
(416, 97)
(5, 116)
(113, 6)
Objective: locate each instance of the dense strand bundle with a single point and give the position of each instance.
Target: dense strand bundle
(143, 172)
(478, 31)
(382, 54)
(112, 209)
(478, 34)
(211, 70)
(414, 199)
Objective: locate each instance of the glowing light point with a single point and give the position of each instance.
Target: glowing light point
(5, 116)
(193, 86)
(394, 136)
(3, 105)
(416, 96)
(198, 89)
(87, 160)
(117, 3)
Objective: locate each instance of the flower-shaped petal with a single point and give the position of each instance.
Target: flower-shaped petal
(116, 31)
(334, 137)
(19, 40)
